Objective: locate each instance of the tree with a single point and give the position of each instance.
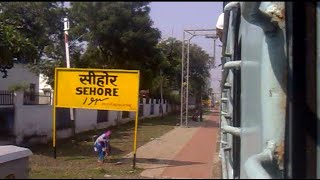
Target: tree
(119, 35)
(32, 33)
(198, 67)
(13, 46)
(171, 63)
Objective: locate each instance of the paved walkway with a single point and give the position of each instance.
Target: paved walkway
(183, 152)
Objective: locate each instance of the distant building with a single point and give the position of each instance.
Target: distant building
(20, 75)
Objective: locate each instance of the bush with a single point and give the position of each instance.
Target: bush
(174, 99)
(18, 87)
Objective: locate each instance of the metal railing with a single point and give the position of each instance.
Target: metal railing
(36, 99)
(227, 65)
(6, 97)
(253, 166)
(256, 165)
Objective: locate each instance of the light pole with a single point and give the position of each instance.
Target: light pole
(182, 81)
(185, 79)
(66, 28)
(185, 68)
(187, 88)
(214, 37)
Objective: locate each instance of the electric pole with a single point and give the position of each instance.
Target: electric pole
(66, 28)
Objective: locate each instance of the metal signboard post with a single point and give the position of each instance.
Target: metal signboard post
(101, 89)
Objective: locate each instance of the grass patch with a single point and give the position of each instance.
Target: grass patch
(76, 158)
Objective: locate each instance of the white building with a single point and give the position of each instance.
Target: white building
(20, 74)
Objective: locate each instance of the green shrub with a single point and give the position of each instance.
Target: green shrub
(18, 87)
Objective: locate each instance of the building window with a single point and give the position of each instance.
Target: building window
(63, 118)
(125, 114)
(102, 116)
(32, 90)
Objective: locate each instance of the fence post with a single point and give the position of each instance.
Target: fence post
(18, 98)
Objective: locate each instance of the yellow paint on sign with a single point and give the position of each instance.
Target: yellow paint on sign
(104, 89)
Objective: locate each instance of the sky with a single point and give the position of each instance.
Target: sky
(171, 18)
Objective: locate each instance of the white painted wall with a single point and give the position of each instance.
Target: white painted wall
(112, 120)
(156, 109)
(17, 75)
(34, 120)
(37, 119)
(114, 117)
(30, 120)
(146, 108)
(132, 115)
(21, 74)
(156, 112)
(85, 119)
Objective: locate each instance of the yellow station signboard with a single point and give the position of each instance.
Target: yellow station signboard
(104, 89)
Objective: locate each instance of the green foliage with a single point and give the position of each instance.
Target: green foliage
(171, 65)
(14, 45)
(18, 87)
(174, 98)
(31, 32)
(119, 35)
